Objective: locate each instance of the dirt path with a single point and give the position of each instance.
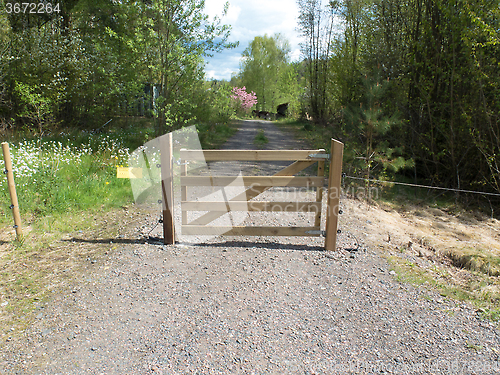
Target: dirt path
(251, 306)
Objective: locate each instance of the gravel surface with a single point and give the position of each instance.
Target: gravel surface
(251, 305)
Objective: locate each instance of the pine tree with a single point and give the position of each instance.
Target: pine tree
(373, 123)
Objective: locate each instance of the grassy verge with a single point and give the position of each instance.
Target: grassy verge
(315, 135)
(76, 171)
(67, 188)
(213, 136)
(260, 139)
(55, 255)
(479, 289)
(64, 186)
(53, 178)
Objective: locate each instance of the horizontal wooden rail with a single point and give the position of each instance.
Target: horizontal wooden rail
(249, 155)
(256, 181)
(248, 231)
(254, 191)
(313, 207)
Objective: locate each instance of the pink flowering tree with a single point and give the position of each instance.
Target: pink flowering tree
(244, 100)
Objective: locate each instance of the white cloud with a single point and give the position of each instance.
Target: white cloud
(251, 18)
(215, 8)
(224, 65)
(233, 13)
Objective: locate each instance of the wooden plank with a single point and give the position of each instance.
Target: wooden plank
(247, 231)
(254, 181)
(251, 206)
(251, 193)
(319, 193)
(167, 180)
(184, 192)
(249, 155)
(337, 151)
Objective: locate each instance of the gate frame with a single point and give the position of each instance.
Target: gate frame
(333, 190)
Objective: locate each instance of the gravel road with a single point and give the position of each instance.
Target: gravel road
(251, 305)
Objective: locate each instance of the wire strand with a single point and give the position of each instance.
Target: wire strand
(154, 227)
(425, 186)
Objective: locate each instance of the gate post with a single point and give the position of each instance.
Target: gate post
(12, 190)
(333, 199)
(167, 187)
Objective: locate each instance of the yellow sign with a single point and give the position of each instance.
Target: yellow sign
(128, 172)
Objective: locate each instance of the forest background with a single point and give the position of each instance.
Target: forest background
(410, 86)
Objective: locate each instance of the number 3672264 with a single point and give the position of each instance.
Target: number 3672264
(32, 8)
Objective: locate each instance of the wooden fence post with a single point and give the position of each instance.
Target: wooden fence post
(167, 187)
(332, 210)
(12, 190)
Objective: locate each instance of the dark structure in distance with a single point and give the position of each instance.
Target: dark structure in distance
(281, 111)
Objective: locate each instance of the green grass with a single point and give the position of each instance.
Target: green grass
(317, 136)
(213, 136)
(54, 181)
(473, 291)
(474, 347)
(74, 171)
(260, 139)
(476, 259)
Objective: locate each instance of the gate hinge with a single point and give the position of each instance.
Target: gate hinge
(320, 232)
(320, 156)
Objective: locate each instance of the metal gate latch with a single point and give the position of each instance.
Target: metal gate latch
(320, 156)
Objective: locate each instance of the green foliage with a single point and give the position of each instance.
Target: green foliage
(288, 89)
(98, 59)
(441, 61)
(54, 178)
(176, 41)
(260, 139)
(34, 105)
(267, 72)
(316, 25)
(212, 136)
(213, 103)
(371, 121)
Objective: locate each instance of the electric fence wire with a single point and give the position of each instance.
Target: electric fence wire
(423, 186)
(358, 244)
(148, 235)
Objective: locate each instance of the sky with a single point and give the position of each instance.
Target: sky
(251, 18)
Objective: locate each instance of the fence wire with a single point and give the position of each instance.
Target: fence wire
(423, 186)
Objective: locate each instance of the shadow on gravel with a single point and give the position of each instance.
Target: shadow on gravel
(109, 240)
(159, 241)
(262, 245)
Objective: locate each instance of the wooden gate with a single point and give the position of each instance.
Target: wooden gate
(258, 184)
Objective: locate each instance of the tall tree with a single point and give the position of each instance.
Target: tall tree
(178, 35)
(317, 26)
(112, 64)
(266, 71)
